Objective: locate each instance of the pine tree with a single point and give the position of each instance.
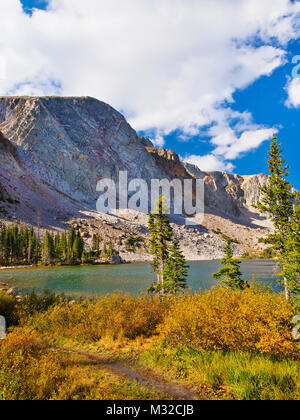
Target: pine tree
(278, 202)
(14, 243)
(4, 246)
(176, 270)
(95, 243)
(230, 274)
(48, 251)
(26, 244)
(84, 258)
(161, 235)
(290, 260)
(70, 244)
(58, 250)
(64, 246)
(104, 251)
(168, 261)
(20, 245)
(110, 250)
(76, 250)
(33, 251)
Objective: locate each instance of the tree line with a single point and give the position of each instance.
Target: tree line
(21, 245)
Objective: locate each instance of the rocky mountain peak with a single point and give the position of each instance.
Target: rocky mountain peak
(54, 150)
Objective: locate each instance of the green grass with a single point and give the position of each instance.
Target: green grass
(239, 376)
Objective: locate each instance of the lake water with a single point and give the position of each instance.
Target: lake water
(133, 278)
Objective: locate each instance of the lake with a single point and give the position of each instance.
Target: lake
(133, 278)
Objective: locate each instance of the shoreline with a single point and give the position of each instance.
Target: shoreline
(16, 267)
(52, 267)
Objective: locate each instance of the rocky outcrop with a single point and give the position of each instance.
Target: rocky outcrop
(230, 194)
(169, 163)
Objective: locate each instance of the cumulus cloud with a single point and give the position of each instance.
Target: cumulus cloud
(231, 147)
(158, 140)
(209, 162)
(293, 90)
(174, 65)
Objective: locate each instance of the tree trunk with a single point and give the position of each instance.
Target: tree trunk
(287, 290)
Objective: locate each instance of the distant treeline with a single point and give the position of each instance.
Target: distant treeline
(22, 245)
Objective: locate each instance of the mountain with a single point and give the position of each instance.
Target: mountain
(54, 150)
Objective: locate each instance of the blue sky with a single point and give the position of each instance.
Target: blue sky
(173, 98)
(28, 5)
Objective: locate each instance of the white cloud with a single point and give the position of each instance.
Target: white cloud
(171, 65)
(158, 141)
(209, 163)
(231, 147)
(293, 90)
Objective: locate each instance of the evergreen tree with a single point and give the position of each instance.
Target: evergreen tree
(278, 202)
(5, 252)
(176, 271)
(26, 244)
(230, 274)
(77, 249)
(161, 235)
(33, 249)
(95, 243)
(64, 246)
(58, 251)
(15, 243)
(48, 251)
(70, 244)
(290, 260)
(110, 250)
(104, 251)
(81, 244)
(168, 261)
(20, 245)
(84, 258)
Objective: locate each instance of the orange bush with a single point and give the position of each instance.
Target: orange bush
(226, 320)
(117, 315)
(220, 319)
(28, 368)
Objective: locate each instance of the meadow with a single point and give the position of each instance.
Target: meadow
(218, 344)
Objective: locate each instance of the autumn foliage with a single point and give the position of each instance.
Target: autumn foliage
(221, 319)
(227, 320)
(204, 336)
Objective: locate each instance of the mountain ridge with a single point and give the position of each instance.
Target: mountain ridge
(55, 150)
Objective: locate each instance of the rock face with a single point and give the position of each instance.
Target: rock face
(71, 143)
(231, 194)
(54, 150)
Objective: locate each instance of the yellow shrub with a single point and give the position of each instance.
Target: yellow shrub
(222, 319)
(116, 315)
(28, 369)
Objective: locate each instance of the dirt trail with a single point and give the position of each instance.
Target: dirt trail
(176, 391)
